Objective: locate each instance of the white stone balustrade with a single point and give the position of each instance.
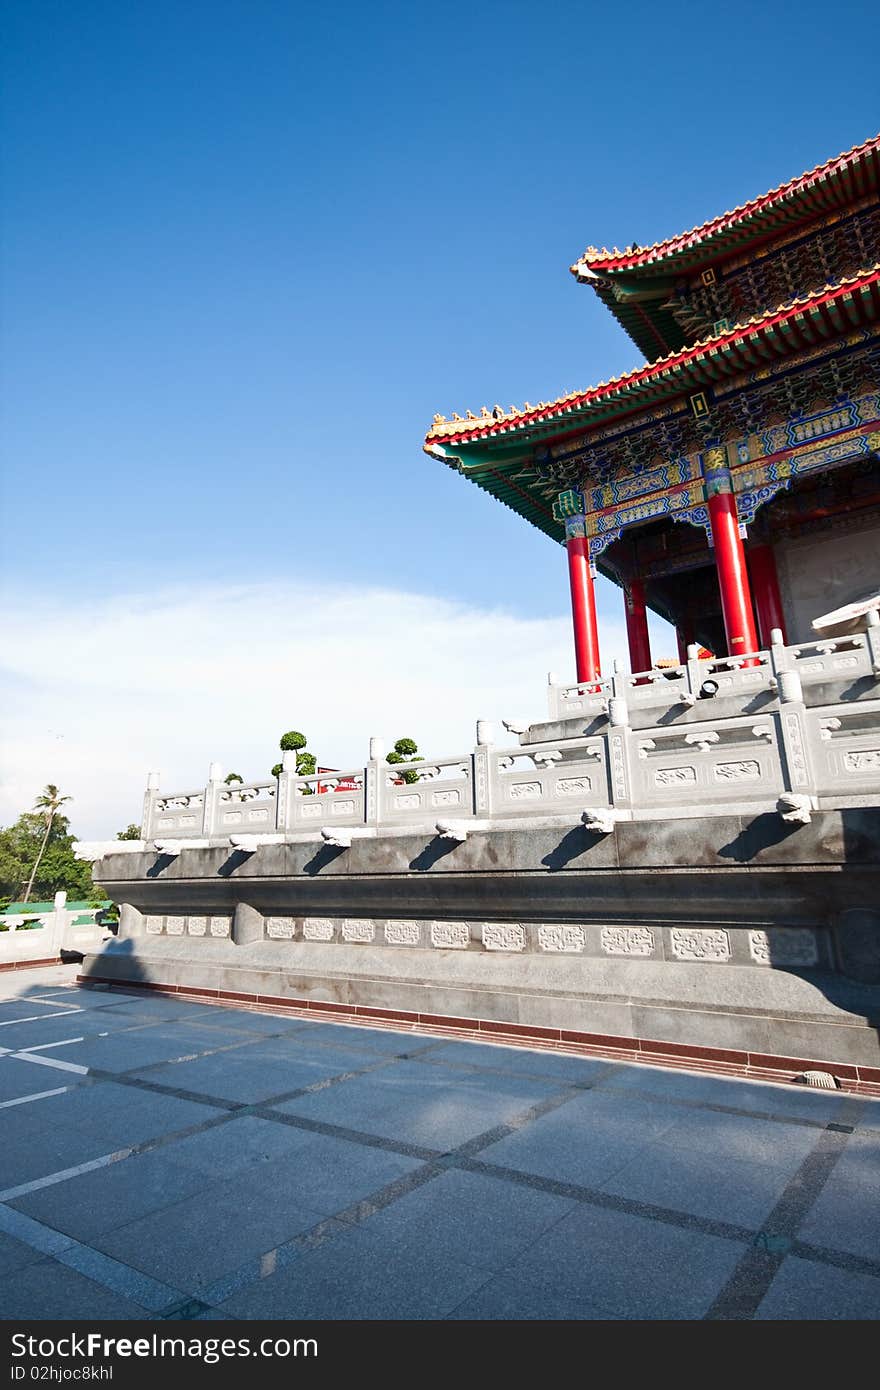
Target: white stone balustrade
(706, 737)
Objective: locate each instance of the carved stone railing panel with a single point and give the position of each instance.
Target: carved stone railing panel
(443, 789)
(327, 799)
(547, 778)
(179, 816)
(244, 807)
(737, 675)
(660, 687)
(702, 764)
(840, 658)
(846, 744)
(577, 701)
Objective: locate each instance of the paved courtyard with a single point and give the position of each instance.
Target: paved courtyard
(163, 1159)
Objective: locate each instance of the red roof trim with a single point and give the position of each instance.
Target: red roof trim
(686, 241)
(753, 331)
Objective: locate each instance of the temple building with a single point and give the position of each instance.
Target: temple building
(730, 483)
(673, 865)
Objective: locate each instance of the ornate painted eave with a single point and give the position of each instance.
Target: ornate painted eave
(646, 288)
(746, 348)
(838, 182)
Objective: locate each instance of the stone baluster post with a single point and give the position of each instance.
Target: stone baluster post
(778, 653)
(618, 740)
(552, 695)
(212, 791)
(373, 789)
(483, 768)
(284, 794)
(151, 796)
(694, 670)
(60, 919)
(797, 772)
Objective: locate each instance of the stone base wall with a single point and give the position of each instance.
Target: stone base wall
(732, 933)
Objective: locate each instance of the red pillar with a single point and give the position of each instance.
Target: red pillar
(583, 608)
(765, 585)
(733, 579)
(637, 626)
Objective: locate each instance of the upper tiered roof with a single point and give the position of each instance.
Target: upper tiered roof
(702, 351)
(837, 183)
(638, 284)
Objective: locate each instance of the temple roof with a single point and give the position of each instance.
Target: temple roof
(839, 181)
(747, 347)
(639, 285)
(495, 449)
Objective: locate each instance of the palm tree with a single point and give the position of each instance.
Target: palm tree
(49, 801)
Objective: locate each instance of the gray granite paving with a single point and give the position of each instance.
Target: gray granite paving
(803, 1290)
(51, 1290)
(283, 1168)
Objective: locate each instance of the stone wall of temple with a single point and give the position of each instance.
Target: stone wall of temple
(824, 570)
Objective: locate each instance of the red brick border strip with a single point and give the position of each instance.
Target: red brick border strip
(29, 964)
(759, 1066)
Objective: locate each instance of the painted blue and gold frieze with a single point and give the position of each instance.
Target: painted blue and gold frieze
(791, 463)
(605, 526)
(798, 432)
(677, 471)
(681, 488)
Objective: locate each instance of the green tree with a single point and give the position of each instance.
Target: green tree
(131, 832)
(58, 867)
(294, 742)
(49, 803)
(406, 750)
(232, 777)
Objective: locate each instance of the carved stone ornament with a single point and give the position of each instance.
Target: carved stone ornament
(403, 933)
(357, 929)
(454, 935)
(867, 760)
(317, 929)
(745, 771)
(565, 937)
(524, 791)
(573, 786)
(698, 943)
(280, 928)
(675, 776)
(450, 797)
(504, 936)
(627, 941)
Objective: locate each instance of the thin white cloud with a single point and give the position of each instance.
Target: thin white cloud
(100, 694)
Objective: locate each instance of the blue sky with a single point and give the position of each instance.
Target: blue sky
(250, 247)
